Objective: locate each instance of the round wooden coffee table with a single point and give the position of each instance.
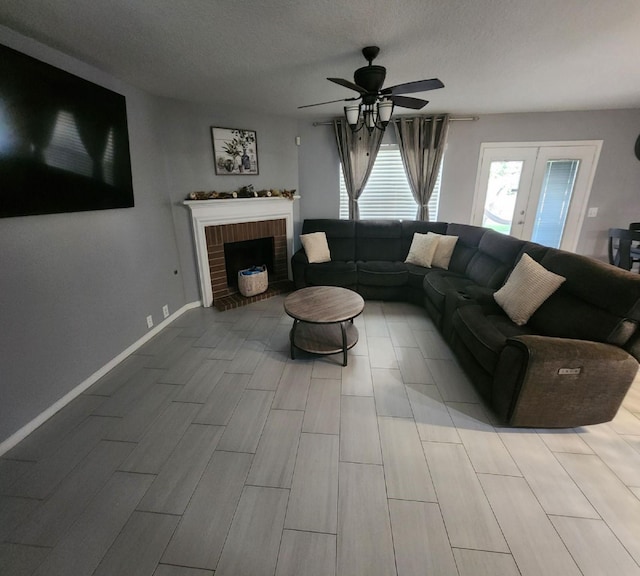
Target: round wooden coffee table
(323, 319)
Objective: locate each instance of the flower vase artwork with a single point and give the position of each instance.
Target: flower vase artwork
(235, 151)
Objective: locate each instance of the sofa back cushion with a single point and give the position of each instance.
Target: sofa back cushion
(536, 251)
(494, 259)
(379, 240)
(597, 302)
(341, 236)
(410, 226)
(467, 245)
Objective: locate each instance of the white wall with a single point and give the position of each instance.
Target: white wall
(616, 187)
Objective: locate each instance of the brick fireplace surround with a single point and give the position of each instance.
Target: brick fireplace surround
(218, 236)
(218, 221)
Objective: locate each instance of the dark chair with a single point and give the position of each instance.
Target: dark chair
(620, 247)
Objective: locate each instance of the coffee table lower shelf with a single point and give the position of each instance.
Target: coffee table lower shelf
(324, 339)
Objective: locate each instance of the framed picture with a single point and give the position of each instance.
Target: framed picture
(234, 151)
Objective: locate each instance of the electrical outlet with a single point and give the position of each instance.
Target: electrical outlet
(165, 311)
(593, 212)
(149, 321)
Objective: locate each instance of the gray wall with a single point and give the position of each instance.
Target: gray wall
(615, 191)
(185, 136)
(75, 288)
(616, 186)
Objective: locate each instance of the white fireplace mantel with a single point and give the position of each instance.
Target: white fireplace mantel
(216, 212)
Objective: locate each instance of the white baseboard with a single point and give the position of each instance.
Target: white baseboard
(23, 432)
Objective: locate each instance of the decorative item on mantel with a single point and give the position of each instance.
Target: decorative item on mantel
(242, 192)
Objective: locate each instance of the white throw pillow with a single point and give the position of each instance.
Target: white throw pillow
(529, 285)
(316, 247)
(442, 257)
(423, 247)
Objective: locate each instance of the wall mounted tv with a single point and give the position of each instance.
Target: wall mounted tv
(64, 143)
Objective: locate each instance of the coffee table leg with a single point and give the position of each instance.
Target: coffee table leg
(292, 335)
(344, 343)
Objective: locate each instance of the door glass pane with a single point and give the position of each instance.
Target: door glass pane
(502, 191)
(553, 206)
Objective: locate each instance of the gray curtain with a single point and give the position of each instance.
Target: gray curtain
(422, 140)
(357, 154)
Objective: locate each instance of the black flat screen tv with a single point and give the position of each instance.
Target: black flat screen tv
(64, 142)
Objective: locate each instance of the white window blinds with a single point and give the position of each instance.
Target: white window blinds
(555, 198)
(387, 193)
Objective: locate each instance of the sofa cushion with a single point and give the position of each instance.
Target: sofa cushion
(597, 283)
(410, 227)
(444, 251)
(467, 245)
(416, 275)
(380, 273)
(495, 257)
(379, 240)
(529, 285)
(422, 249)
(484, 335)
(316, 247)
(565, 316)
(331, 274)
(597, 302)
(341, 235)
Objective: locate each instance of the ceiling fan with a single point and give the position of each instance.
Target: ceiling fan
(377, 102)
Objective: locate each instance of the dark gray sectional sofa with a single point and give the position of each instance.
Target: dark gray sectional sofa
(570, 365)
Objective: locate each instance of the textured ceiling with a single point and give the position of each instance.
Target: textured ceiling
(274, 55)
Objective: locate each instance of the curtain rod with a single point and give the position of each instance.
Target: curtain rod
(453, 119)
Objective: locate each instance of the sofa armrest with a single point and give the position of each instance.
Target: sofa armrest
(299, 262)
(546, 382)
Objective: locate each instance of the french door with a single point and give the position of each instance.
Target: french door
(535, 191)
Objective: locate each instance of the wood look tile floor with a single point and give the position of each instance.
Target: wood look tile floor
(209, 451)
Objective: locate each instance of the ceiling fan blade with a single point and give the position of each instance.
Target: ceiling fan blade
(329, 102)
(406, 102)
(411, 87)
(347, 84)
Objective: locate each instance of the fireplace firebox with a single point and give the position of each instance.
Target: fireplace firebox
(246, 253)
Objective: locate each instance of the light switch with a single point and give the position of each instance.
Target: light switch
(593, 212)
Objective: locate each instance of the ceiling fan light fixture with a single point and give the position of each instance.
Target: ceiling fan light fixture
(385, 110)
(371, 116)
(352, 114)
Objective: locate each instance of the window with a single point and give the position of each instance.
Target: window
(387, 193)
(66, 150)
